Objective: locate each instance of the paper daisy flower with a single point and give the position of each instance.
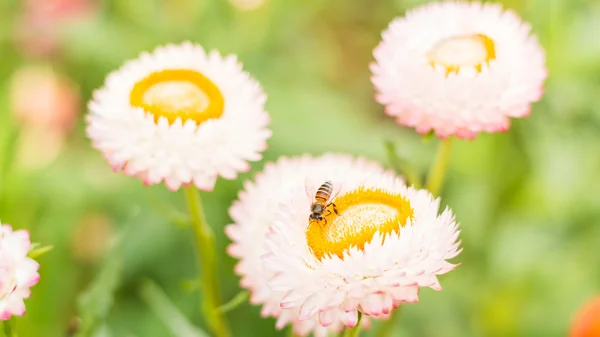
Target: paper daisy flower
(458, 68)
(180, 116)
(374, 251)
(17, 272)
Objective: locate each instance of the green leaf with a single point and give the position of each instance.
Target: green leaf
(235, 302)
(95, 303)
(167, 312)
(36, 251)
(401, 165)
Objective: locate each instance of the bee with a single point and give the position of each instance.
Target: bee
(322, 199)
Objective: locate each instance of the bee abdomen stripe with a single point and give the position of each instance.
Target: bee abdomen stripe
(324, 191)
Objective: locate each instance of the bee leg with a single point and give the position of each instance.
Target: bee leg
(335, 210)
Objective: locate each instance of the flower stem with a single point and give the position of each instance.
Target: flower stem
(9, 328)
(436, 175)
(354, 332)
(205, 242)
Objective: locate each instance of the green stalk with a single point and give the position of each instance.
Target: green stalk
(9, 329)
(435, 180)
(205, 242)
(437, 173)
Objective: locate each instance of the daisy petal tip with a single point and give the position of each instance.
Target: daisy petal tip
(5, 315)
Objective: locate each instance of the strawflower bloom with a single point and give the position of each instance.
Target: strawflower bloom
(43, 97)
(17, 271)
(38, 25)
(180, 116)
(587, 321)
(386, 242)
(458, 68)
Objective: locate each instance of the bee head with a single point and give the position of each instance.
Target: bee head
(315, 216)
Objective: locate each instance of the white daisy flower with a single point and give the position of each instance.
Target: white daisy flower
(458, 68)
(17, 271)
(386, 242)
(180, 116)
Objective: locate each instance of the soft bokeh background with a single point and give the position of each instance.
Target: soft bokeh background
(528, 201)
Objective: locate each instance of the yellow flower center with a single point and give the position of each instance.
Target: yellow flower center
(178, 93)
(462, 51)
(361, 213)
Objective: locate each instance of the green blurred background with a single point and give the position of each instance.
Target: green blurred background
(527, 200)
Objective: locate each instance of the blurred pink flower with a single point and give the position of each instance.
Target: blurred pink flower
(39, 24)
(247, 5)
(46, 106)
(587, 321)
(91, 237)
(17, 271)
(41, 96)
(458, 68)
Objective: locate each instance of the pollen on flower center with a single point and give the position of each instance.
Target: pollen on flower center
(462, 51)
(361, 213)
(178, 93)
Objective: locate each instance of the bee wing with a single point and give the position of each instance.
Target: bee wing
(337, 187)
(310, 186)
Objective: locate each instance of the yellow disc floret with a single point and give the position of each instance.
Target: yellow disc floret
(178, 93)
(361, 213)
(462, 51)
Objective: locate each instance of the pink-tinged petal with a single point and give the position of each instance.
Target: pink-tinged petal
(22, 292)
(405, 294)
(6, 229)
(16, 306)
(309, 307)
(326, 318)
(32, 281)
(26, 273)
(22, 236)
(350, 318)
(5, 314)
